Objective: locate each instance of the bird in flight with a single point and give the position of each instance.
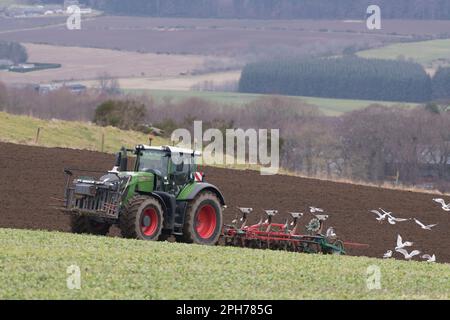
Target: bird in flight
(445, 207)
(388, 254)
(381, 217)
(314, 209)
(408, 256)
(429, 258)
(401, 244)
(394, 220)
(425, 227)
(388, 215)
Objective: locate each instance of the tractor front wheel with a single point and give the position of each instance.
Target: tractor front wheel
(142, 218)
(203, 222)
(86, 225)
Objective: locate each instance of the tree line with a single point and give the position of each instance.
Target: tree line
(277, 9)
(346, 78)
(13, 51)
(375, 144)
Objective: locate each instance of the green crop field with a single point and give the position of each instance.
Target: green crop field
(424, 52)
(34, 264)
(331, 107)
(68, 134)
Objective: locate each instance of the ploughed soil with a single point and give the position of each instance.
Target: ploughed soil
(32, 185)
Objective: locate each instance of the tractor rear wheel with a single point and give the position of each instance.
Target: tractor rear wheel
(86, 225)
(142, 218)
(203, 222)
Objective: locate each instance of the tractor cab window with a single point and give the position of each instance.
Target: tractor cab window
(181, 169)
(154, 160)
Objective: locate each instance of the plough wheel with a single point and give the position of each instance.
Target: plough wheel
(340, 245)
(203, 220)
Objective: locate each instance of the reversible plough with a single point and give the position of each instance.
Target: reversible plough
(269, 235)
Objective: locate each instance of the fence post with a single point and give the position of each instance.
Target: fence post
(103, 142)
(38, 132)
(150, 139)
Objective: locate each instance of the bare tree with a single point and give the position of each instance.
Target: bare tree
(108, 84)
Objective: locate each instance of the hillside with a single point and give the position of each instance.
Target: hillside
(67, 134)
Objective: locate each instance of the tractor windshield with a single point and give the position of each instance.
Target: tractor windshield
(153, 160)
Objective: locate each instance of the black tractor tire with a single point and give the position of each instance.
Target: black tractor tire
(142, 218)
(203, 221)
(164, 237)
(86, 225)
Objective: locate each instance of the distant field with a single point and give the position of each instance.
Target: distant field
(86, 63)
(216, 36)
(178, 83)
(34, 266)
(424, 52)
(15, 24)
(67, 134)
(332, 107)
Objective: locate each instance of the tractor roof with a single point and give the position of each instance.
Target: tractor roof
(171, 149)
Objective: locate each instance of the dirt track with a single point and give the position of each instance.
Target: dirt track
(31, 177)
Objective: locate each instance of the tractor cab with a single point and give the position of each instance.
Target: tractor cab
(172, 167)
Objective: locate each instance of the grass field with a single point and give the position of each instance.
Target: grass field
(67, 134)
(332, 107)
(34, 265)
(424, 52)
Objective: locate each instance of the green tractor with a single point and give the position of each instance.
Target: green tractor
(164, 195)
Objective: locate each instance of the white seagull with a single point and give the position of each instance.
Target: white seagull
(401, 244)
(429, 258)
(408, 256)
(331, 233)
(388, 215)
(445, 207)
(381, 217)
(425, 227)
(394, 220)
(314, 209)
(388, 254)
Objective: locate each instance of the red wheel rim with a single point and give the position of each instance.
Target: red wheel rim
(206, 221)
(149, 222)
